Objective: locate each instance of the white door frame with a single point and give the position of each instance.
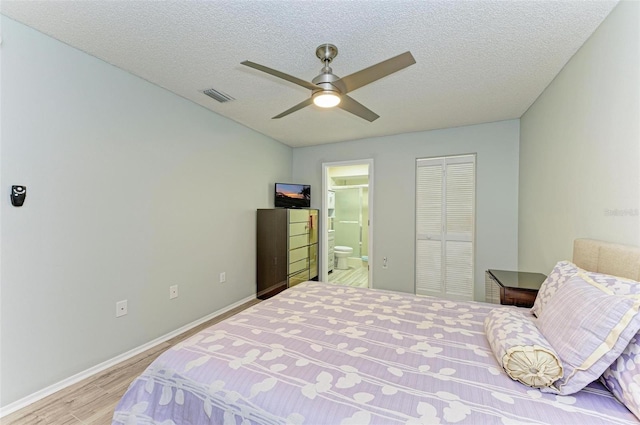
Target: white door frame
(324, 274)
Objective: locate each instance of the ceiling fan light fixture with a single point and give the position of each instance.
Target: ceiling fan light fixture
(326, 99)
(328, 90)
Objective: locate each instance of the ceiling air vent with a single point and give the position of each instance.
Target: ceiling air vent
(218, 95)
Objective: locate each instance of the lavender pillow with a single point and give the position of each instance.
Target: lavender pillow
(563, 271)
(622, 378)
(619, 285)
(589, 327)
(521, 349)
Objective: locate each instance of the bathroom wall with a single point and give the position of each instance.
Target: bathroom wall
(351, 206)
(347, 219)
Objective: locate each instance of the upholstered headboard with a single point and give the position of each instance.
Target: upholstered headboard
(608, 258)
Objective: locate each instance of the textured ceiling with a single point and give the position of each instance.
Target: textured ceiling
(477, 61)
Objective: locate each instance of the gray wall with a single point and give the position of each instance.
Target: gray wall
(580, 148)
(131, 189)
(496, 145)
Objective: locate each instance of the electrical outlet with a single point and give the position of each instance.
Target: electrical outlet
(173, 292)
(223, 277)
(121, 308)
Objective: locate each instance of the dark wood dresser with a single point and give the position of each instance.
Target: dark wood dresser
(287, 249)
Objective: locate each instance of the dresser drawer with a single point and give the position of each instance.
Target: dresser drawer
(298, 228)
(298, 241)
(297, 278)
(298, 254)
(299, 265)
(296, 216)
(313, 261)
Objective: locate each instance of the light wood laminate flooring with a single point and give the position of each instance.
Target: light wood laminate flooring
(354, 276)
(93, 400)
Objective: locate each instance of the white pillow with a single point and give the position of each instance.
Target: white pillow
(521, 349)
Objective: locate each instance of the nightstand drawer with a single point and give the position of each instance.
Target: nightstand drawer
(518, 297)
(512, 288)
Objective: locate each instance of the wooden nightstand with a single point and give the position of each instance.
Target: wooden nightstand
(512, 288)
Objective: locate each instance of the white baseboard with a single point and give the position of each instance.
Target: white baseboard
(38, 395)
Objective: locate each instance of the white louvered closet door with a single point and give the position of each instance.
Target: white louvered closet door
(445, 201)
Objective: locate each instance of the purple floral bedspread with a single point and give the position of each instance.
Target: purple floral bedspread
(324, 354)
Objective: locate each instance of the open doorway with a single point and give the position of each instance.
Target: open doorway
(347, 232)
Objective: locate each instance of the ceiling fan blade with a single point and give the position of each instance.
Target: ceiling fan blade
(300, 105)
(375, 72)
(356, 108)
(282, 75)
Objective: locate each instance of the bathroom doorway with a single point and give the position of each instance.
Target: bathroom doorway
(347, 232)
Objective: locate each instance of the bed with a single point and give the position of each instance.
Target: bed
(325, 354)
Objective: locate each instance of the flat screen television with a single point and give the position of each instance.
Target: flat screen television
(289, 195)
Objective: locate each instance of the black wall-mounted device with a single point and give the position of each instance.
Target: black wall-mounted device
(18, 193)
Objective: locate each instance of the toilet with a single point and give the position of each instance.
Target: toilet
(342, 254)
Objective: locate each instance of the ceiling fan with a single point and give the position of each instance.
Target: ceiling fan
(329, 90)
